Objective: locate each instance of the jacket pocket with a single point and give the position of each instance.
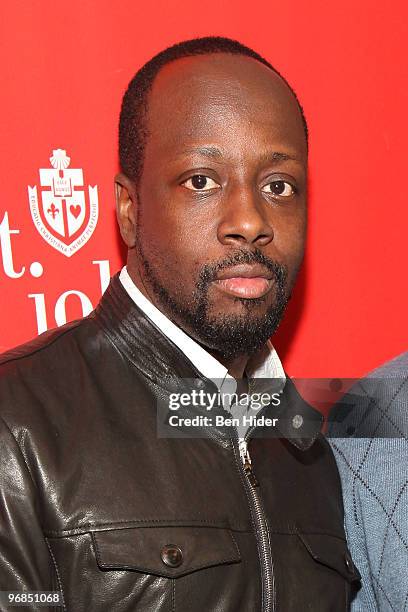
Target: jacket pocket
(331, 552)
(164, 551)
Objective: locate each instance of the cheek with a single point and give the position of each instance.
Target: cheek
(170, 235)
(173, 243)
(289, 240)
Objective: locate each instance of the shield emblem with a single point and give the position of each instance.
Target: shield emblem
(65, 218)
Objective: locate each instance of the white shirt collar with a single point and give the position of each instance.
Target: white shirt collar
(265, 364)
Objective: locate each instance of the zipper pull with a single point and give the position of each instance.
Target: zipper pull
(247, 463)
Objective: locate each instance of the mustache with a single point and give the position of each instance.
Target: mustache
(209, 272)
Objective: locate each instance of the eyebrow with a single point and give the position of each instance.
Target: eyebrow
(207, 151)
(276, 156)
(215, 153)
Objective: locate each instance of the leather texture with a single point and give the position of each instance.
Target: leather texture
(95, 504)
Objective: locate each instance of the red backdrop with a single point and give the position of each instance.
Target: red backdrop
(67, 65)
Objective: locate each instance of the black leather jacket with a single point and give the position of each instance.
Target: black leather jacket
(95, 504)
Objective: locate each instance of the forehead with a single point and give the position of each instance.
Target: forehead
(223, 97)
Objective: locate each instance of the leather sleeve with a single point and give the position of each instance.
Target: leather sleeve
(25, 562)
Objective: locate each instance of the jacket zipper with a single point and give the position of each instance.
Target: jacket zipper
(261, 529)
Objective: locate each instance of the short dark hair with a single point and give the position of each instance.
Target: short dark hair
(133, 115)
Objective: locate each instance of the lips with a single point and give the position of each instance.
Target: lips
(245, 281)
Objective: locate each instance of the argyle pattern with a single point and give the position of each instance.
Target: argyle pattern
(368, 432)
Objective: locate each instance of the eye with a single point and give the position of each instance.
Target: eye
(200, 182)
(279, 188)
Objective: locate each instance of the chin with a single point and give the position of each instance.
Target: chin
(258, 307)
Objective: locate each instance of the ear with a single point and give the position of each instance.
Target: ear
(126, 208)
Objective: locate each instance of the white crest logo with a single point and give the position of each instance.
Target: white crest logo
(66, 219)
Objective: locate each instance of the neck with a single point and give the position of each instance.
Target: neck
(236, 366)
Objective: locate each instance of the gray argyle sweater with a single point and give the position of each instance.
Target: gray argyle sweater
(368, 432)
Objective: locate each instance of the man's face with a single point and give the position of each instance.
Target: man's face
(221, 203)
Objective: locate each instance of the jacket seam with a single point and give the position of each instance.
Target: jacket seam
(167, 574)
(89, 527)
(173, 595)
(305, 531)
(57, 574)
(235, 544)
(72, 325)
(20, 451)
(36, 489)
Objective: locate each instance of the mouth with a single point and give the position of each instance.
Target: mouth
(245, 281)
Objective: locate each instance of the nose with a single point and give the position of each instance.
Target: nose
(244, 219)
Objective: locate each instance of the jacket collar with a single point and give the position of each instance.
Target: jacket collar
(161, 361)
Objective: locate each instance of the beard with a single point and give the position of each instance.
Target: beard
(228, 335)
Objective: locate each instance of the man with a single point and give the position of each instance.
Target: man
(369, 434)
(211, 203)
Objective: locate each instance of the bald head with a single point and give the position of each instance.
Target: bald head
(133, 129)
(211, 95)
